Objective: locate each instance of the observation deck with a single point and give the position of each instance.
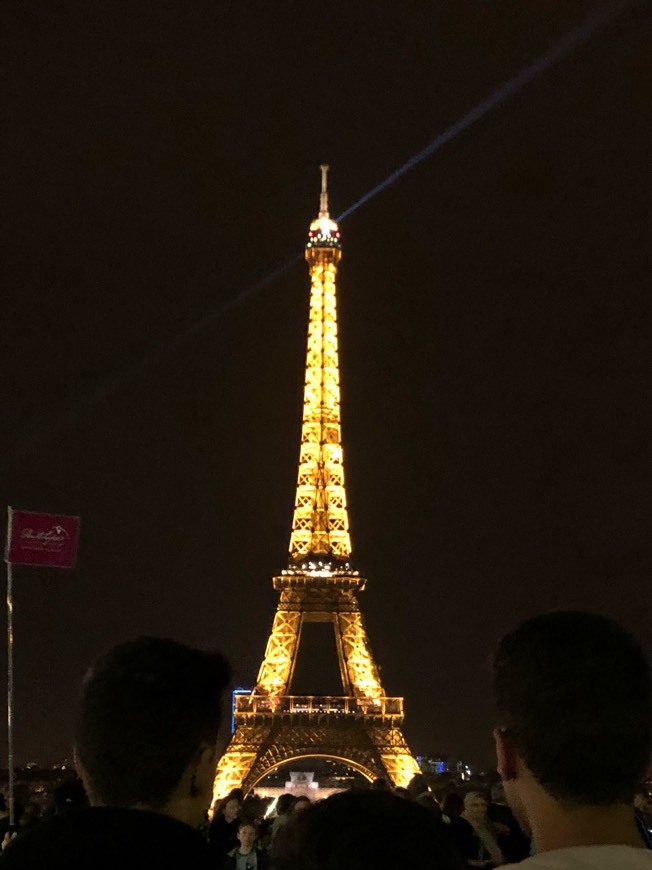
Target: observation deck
(344, 579)
(250, 709)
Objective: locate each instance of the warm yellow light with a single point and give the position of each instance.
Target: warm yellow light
(324, 226)
(401, 768)
(232, 769)
(362, 671)
(320, 524)
(272, 725)
(275, 670)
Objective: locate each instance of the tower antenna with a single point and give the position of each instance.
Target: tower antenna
(323, 199)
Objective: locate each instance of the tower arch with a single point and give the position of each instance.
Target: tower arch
(368, 774)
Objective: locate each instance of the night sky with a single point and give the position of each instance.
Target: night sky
(160, 159)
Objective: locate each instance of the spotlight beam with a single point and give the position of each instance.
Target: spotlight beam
(570, 41)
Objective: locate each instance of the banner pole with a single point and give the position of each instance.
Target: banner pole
(10, 672)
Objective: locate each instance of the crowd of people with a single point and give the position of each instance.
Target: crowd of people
(573, 735)
(476, 826)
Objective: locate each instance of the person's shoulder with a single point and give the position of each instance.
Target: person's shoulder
(460, 822)
(46, 839)
(460, 826)
(588, 858)
(104, 837)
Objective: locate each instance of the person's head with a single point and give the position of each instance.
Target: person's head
(452, 805)
(417, 785)
(231, 809)
(573, 698)
(246, 835)
(31, 812)
(640, 799)
(643, 801)
(498, 793)
(284, 804)
(301, 803)
(380, 784)
(430, 802)
(345, 831)
(70, 795)
(146, 733)
(475, 806)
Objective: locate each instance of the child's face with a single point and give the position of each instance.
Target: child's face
(247, 836)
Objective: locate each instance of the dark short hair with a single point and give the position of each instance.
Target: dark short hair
(147, 707)
(345, 831)
(452, 805)
(573, 694)
(284, 803)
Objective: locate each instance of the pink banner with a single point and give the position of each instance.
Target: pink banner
(42, 539)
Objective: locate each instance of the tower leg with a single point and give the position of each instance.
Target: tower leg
(276, 669)
(235, 765)
(362, 671)
(395, 755)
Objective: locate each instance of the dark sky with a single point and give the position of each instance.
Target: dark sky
(160, 158)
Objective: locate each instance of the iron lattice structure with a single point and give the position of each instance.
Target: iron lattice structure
(361, 727)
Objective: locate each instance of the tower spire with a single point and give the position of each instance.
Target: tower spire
(320, 526)
(323, 199)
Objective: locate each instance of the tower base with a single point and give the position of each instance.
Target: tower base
(375, 750)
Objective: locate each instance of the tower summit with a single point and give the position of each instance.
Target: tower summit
(320, 526)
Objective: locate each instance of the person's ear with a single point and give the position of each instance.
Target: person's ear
(203, 774)
(506, 755)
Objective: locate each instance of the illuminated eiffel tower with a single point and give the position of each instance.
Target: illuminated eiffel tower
(361, 727)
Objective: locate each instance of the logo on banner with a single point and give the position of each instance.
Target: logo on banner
(43, 539)
(52, 541)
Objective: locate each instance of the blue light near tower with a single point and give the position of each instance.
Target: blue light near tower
(234, 694)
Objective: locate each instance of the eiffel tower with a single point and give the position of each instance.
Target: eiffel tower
(361, 727)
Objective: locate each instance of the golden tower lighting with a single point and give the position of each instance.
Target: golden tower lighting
(321, 525)
(361, 727)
